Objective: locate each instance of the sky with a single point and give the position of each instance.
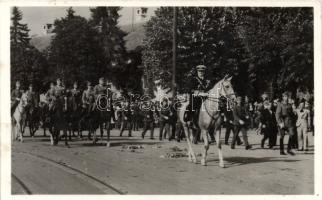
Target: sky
(35, 17)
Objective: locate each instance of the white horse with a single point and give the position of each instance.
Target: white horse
(19, 118)
(209, 118)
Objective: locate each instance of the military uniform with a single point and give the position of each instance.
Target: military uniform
(50, 94)
(148, 123)
(196, 86)
(165, 117)
(86, 95)
(126, 120)
(32, 97)
(285, 117)
(240, 113)
(59, 90)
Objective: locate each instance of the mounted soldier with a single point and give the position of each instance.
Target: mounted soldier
(50, 94)
(86, 94)
(198, 86)
(75, 92)
(15, 96)
(59, 89)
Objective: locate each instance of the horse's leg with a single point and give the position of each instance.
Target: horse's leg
(108, 124)
(218, 141)
(191, 153)
(204, 134)
(51, 138)
(101, 129)
(65, 133)
(19, 134)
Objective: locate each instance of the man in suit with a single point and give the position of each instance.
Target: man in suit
(303, 123)
(241, 121)
(268, 124)
(286, 122)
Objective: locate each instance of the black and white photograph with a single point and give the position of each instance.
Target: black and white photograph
(162, 100)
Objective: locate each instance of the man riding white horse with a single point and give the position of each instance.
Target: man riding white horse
(15, 97)
(198, 86)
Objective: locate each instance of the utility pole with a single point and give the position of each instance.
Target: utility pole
(174, 51)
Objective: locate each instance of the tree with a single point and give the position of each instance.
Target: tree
(204, 37)
(27, 63)
(267, 49)
(75, 53)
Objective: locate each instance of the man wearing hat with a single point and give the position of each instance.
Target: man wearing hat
(87, 94)
(198, 86)
(100, 88)
(31, 96)
(268, 124)
(59, 88)
(75, 92)
(50, 94)
(285, 118)
(15, 96)
(241, 122)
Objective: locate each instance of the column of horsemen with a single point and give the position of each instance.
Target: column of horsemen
(269, 117)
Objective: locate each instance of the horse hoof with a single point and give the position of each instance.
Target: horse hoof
(203, 162)
(222, 165)
(108, 144)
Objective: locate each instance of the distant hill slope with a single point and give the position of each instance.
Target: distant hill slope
(133, 39)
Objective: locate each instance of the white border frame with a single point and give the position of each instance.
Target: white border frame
(5, 125)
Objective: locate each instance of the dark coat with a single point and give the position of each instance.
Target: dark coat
(241, 113)
(268, 119)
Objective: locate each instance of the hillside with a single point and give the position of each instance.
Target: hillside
(133, 39)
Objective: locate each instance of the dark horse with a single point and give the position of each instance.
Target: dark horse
(73, 115)
(32, 119)
(106, 113)
(89, 118)
(56, 119)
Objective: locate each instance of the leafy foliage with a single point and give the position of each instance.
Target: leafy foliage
(27, 63)
(267, 49)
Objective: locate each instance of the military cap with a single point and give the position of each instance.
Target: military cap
(201, 68)
(101, 79)
(89, 83)
(285, 94)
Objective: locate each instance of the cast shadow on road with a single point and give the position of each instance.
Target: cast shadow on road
(120, 143)
(238, 161)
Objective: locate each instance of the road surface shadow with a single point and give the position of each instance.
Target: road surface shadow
(237, 161)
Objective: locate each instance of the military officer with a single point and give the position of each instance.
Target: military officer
(285, 118)
(126, 118)
(241, 122)
(198, 87)
(100, 88)
(15, 96)
(148, 121)
(59, 88)
(50, 94)
(75, 92)
(31, 96)
(87, 93)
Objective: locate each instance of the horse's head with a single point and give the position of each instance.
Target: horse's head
(226, 90)
(24, 100)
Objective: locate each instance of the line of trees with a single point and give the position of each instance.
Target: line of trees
(266, 49)
(81, 50)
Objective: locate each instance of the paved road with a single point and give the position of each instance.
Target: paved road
(38, 168)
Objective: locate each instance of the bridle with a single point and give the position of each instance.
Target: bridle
(218, 99)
